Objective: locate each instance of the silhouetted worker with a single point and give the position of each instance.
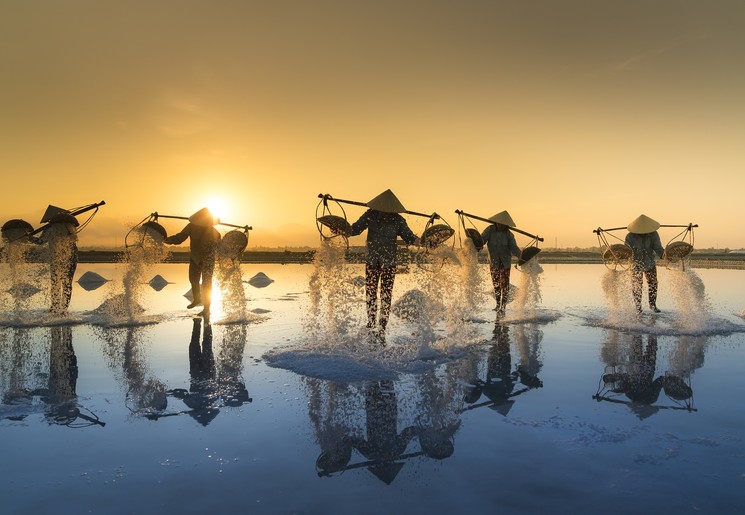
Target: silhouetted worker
(384, 224)
(502, 246)
(203, 242)
(645, 244)
(61, 236)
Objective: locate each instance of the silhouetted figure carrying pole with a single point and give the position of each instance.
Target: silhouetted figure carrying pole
(502, 246)
(645, 244)
(60, 233)
(384, 224)
(203, 242)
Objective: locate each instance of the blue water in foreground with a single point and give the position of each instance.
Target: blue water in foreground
(570, 409)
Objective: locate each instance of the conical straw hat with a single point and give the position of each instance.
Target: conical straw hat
(643, 225)
(503, 218)
(204, 218)
(387, 202)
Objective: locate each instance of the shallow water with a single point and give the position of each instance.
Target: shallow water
(535, 414)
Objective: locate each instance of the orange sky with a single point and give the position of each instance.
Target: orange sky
(571, 114)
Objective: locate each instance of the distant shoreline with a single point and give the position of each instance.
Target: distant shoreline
(699, 259)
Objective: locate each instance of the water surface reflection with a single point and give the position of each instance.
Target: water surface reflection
(173, 394)
(633, 376)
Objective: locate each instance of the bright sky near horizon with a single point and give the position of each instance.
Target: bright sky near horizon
(569, 114)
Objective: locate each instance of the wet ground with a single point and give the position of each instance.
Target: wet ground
(567, 408)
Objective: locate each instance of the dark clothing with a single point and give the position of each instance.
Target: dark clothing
(382, 231)
(500, 278)
(385, 276)
(203, 243)
(200, 277)
(637, 279)
(644, 247)
(501, 244)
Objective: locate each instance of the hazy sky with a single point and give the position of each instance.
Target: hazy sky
(569, 114)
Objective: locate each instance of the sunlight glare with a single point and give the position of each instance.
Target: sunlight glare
(218, 207)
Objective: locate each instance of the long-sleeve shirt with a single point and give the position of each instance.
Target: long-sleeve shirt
(502, 246)
(202, 241)
(382, 231)
(645, 246)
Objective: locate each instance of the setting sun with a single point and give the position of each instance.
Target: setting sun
(218, 207)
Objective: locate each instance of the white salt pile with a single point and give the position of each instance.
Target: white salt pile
(260, 280)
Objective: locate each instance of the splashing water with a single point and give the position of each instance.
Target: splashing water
(528, 296)
(61, 257)
(451, 284)
(689, 294)
(465, 294)
(124, 303)
(230, 281)
(18, 280)
(331, 313)
(617, 289)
